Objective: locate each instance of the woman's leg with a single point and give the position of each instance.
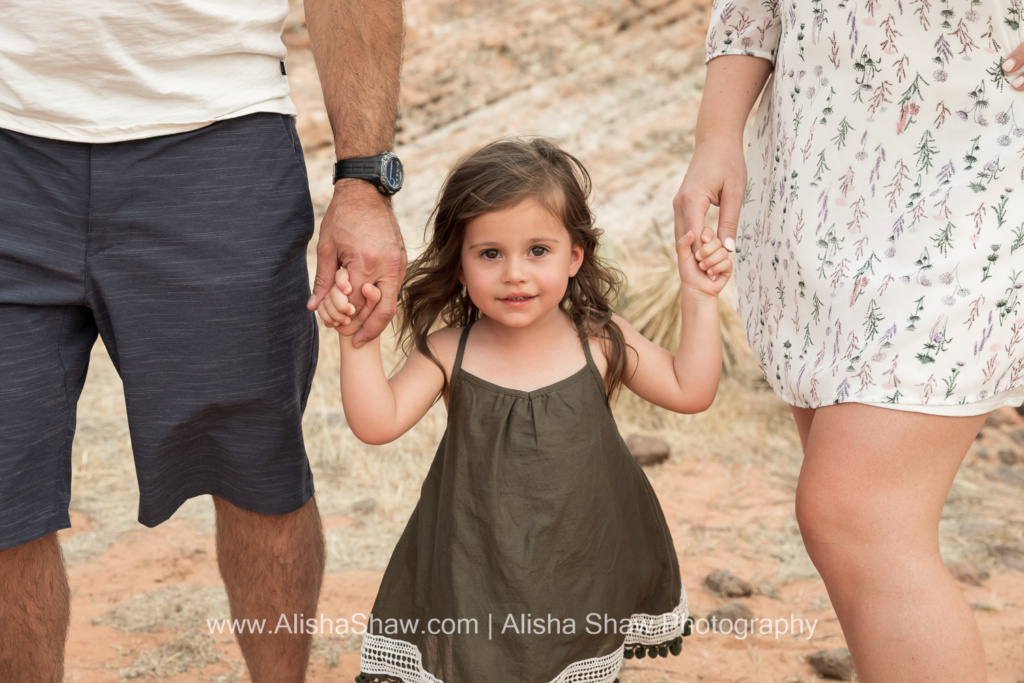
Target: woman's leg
(868, 502)
(804, 418)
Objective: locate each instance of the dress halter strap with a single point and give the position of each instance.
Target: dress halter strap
(590, 358)
(462, 350)
(586, 352)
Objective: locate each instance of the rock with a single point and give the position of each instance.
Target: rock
(335, 419)
(967, 573)
(769, 591)
(1007, 476)
(1002, 417)
(731, 611)
(647, 450)
(978, 528)
(981, 453)
(728, 585)
(1010, 554)
(1017, 435)
(834, 664)
(364, 506)
(1008, 456)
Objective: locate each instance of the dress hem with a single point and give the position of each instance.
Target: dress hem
(1012, 397)
(388, 660)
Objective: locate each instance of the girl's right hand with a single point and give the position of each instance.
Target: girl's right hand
(717, 175)
(339, 312)
(372, 296)
(335, 309)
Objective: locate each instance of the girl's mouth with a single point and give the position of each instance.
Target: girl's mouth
(518, 300)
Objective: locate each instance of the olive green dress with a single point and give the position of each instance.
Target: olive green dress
(537, 552)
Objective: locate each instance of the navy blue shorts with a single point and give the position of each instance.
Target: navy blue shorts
(186, 253)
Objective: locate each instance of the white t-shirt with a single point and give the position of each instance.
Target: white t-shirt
(111, 70)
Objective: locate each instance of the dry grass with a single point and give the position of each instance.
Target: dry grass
(173, 608)
(193, 649)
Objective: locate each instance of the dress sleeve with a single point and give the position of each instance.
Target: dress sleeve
(744, 27)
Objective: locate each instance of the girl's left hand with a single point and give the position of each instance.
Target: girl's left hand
(704, 266)
(1015, 63)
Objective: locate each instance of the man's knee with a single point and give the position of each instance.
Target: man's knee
(230, 513)
(241, 532)
(39, 553)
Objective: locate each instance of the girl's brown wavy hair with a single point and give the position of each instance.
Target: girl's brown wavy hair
(498, 176)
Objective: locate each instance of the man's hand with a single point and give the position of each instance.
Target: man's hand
(359, 232)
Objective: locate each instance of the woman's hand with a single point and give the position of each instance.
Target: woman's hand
(1014, 64)
(717, 175)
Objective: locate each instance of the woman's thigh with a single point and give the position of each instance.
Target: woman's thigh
(874, 475)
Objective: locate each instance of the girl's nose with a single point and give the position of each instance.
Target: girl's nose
(514, 270)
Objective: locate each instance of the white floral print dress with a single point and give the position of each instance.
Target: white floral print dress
(880, 255)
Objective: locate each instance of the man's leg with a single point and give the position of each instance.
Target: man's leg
(34, 612)
(198, 284)
(272, 565)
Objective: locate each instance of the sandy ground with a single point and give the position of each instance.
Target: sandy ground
(618, 82)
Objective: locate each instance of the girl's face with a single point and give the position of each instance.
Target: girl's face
(516, 263)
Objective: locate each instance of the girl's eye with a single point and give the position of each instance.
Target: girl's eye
(490, 254)
(538, 251)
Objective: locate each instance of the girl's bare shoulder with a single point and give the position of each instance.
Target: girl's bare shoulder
(597, 332)
(444, 343)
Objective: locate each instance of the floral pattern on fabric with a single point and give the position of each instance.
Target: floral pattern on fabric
(880, 254)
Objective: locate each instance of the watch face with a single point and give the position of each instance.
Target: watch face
(391, 173)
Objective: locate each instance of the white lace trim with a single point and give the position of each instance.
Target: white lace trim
(383, 656)
(646, 629)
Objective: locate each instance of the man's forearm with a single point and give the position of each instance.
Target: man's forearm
(357, 46)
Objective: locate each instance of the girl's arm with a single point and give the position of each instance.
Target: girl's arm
(378, 409)
(687, 381)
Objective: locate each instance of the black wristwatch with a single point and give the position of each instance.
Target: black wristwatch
(384, 171)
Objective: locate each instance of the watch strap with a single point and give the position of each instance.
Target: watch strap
(364, 168)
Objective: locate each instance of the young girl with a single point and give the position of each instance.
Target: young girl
(538, 551)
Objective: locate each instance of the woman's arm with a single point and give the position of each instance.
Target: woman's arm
(742, 40)
(717, 173)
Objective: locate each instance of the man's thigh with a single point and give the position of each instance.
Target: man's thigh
(46, 331)
(44, 351)
(198, 281)
(187, 253)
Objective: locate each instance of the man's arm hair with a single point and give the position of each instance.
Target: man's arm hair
(357, 47)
